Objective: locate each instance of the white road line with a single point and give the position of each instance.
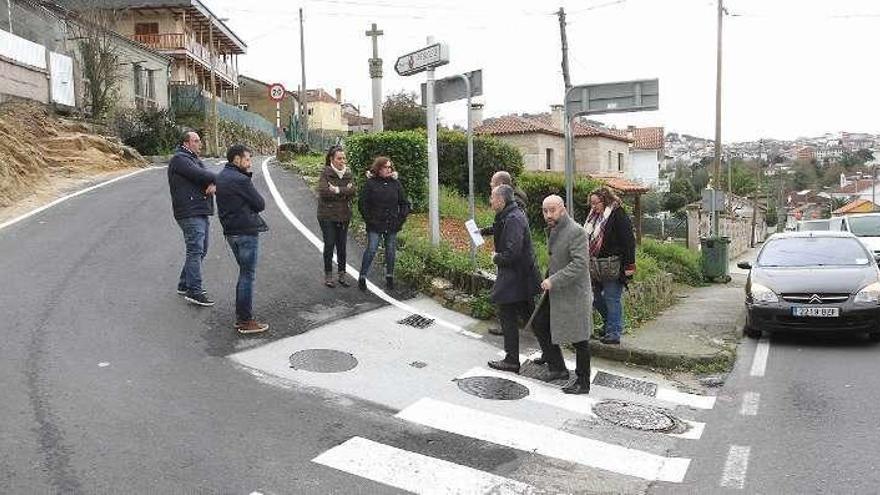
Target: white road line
(414, 472)
(759, 363)
(751, 402)
(664, 394)
(318, 243)
(545, 441)
(71, 196)
(552, 396)
(735, 467)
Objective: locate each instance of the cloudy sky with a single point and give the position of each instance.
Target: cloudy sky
(791, 68)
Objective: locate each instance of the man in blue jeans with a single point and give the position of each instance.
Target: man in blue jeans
(192, 199)
(239, 206)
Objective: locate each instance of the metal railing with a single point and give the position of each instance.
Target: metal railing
(189, 100)
(188, 43)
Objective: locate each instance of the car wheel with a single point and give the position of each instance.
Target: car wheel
(874, 336)
(752, 333)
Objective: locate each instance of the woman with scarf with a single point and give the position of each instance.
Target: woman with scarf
(384, 208)
(335, 192)
(612, 259)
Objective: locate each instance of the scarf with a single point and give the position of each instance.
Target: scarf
(340, 173)
(595, 227)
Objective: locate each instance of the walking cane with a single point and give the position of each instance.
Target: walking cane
(535, 312)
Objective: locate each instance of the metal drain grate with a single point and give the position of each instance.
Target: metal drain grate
(490, 387)
(621, 382)
(323, 361)
(636, 416)
(418, 364)
(417, 321)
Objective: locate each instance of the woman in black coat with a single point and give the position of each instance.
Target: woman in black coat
(384, 208)
(612, 244)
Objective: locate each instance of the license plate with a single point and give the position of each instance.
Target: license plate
(816, 312)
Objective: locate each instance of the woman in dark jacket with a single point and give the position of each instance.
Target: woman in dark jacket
(384, 207)
(335, 192)
(612, 244)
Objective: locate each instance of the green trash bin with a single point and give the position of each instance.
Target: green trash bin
(714, 258)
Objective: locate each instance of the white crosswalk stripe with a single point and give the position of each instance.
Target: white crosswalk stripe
(546, 441)
(415, 472)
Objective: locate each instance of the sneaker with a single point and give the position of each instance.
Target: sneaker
(577, 387)
(182, 290)
(342, 280)
(609, 341)
(362, 284)
(251, 326)
(199, 299)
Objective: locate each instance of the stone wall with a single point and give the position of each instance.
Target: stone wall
(736, 224)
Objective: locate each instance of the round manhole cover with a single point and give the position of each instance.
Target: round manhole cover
(489, 387)
(322, 361)
(635, 416)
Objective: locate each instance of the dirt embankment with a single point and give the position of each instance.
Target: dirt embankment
(39, 151)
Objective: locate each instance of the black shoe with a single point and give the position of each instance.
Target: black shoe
(389, 283)
(609, 341)
(577, 386)
(362, 284)
(199, 299)
(503, 365)
(556, 375)
(495, 331)
(540, 361)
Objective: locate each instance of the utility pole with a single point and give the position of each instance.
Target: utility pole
(717, 220)
(9, 12)
(757, 194)
(215, 125)
(304, 104)
(376, 76)
(566, 124)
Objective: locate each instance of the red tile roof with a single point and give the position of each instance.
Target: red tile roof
(648, 138)
(852, 206)
(319, 95)
(854, 187)
(621, 184)
(543, 123)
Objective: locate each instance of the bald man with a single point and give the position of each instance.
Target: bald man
(564, 315)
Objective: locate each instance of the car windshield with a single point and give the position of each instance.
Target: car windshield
(865, 226)
(822, 225)
(813, 251)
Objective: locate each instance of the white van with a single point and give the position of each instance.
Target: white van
(866, 226)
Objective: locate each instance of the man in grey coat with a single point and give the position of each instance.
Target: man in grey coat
(565, 313)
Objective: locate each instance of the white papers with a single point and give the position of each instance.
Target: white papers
(474, 231)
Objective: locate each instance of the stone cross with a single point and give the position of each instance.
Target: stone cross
(376, 76)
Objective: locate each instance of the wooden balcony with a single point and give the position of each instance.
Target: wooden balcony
(181, 43)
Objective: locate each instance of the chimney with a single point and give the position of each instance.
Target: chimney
(556, 116)
(476, 114)
(842, 180)
(339, 95)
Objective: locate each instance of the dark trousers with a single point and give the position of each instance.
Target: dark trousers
(552, 353)
(335, 237)
(512, 316)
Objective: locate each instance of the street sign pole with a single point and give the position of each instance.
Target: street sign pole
(277, 123)
(433, 166)
(470, 158)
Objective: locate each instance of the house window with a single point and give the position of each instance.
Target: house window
(549, 164)
(310, 111)
(610, 161)
(620, 162)
(138, 80)
(151, 85)
(144, 28)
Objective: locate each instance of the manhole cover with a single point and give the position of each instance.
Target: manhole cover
(635, 416)
(621, 382)
(322, 361)
(417, 321)
(490, 387)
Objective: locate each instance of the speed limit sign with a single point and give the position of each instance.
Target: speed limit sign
(276, 92)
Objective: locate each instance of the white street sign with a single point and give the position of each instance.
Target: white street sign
(429, 57)
(276, 92)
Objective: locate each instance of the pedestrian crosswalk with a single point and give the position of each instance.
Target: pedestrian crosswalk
(443, 440)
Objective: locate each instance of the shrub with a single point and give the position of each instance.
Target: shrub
(151, 132)
(539, 185)
(407, 149)
(490, 156)
(682, 263)
(286, 151)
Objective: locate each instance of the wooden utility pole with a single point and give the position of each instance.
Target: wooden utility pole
(304, 94)
(565, 74)
(566, 125)
(717, 174)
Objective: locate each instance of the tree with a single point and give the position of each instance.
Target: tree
(93, 28)
(402, 112)
(652, 203)
(674, 202)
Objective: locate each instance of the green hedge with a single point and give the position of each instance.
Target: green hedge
(490, 156)
(407, 149)
(682, 263)
(539, 185)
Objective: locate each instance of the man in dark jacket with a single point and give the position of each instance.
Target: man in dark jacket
(239, 205)
(499, 178)
(516, 283)
(192, 198)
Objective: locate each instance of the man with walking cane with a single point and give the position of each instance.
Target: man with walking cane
(564, 314)
(517, 280)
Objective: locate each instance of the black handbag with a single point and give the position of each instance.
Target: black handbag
(605, 269)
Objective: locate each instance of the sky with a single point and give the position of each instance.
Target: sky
(791, 68)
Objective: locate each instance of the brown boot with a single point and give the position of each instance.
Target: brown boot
(328, 280)
(251, 326)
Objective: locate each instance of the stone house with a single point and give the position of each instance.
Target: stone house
(325, 111)
(253, 96)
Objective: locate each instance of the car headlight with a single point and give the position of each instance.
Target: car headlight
(763, 295)
(869, 295)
